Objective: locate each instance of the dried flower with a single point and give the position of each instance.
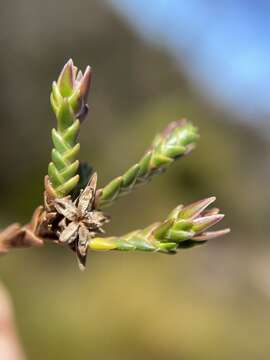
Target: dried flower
(80, 220)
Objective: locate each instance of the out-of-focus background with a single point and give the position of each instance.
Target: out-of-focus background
(153, 61)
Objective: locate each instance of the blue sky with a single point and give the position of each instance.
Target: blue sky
(223, 45)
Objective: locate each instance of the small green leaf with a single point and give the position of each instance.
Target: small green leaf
(111, 190)
(144, 163)
(54, 175)
(159, 160)
(182, 225)
(123, 245)
(130, 176)
(57, 97)
(71, 134)
(70, 170)
(174, 151)
(179, 235)
(66, 188)
(58, 142)
(65, 80)
(58, 160)
(161, 231)
(65, 116)
(71, 154)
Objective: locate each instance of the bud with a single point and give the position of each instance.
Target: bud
(186, 225)
(74, 86)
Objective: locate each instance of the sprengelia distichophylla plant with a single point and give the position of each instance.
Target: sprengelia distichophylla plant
(72, 213)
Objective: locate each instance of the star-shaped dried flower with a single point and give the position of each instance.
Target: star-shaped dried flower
(81, 221)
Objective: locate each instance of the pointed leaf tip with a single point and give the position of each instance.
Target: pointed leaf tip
(195, 209)
(65, 79)
(85, 83)
(208, 235)
(203, 223)
(70, 62)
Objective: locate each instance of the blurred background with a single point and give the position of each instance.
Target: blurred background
(153, 62)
